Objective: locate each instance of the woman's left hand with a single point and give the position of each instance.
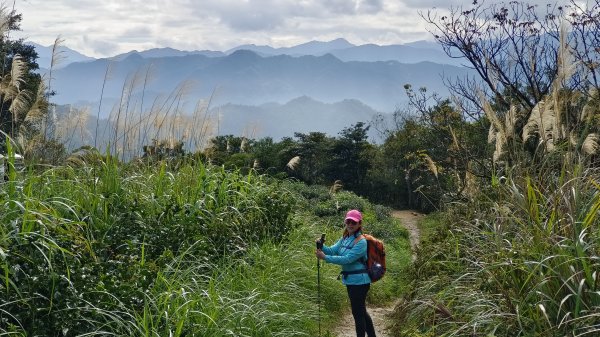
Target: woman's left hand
(320, 255)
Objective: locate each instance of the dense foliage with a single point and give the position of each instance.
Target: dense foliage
(99, 247)
(103, 235)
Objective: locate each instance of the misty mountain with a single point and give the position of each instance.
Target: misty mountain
(400, 53)
(166, 52)
(412, 52)
(315, 48)
(65, 56)
(325, 86)
(302, 114)
(246, 78)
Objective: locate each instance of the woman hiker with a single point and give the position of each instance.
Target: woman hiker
(351, 253)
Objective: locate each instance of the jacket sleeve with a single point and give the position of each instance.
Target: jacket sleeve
(356, 252)
(333, 250)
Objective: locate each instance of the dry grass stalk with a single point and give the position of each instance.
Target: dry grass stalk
(455, 146)
(471, 188)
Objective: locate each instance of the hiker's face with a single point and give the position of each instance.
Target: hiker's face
(352, 226)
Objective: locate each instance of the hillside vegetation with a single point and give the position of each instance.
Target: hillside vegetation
(128, 250)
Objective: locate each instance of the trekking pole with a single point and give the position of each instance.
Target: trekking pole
(319, 247)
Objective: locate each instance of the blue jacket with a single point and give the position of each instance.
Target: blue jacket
(350, 256)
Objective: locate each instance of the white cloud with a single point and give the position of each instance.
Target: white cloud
(103, 28)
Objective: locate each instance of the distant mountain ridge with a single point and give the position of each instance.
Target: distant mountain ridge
(247, 78)
(282, 120)
(412, 52)
(63, 57)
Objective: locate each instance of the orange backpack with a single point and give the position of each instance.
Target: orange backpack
(375, 257)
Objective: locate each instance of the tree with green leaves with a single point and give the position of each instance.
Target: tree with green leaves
(23, 103)
(313, 150)
(350, 157)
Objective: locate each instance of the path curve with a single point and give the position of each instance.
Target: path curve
(409, 220)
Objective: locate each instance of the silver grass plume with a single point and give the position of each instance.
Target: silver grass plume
(430, 164)
(37, 110)
(591, 106)
(293, 163)
(566, 67)
(497, 132)
(11, 87)
(244, 145)
(470, 182)
(541, 122)
(491, 134)
(57, 55)
(591, 144)
(510, 120)
(56, 58)
(337, 186)
(4, 20)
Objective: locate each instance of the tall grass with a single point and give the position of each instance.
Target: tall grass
(102, 248)
(522, 263)
(92, 240)
(521, 259)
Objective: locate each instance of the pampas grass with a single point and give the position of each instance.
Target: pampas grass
(431, 166)
(551, 121)
(293, 163)
(541, 123)
(497, 133)
(336, 187)
(591, 144)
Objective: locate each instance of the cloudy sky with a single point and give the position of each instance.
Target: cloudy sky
(102, 28)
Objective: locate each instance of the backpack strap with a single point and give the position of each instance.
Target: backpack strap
(361, 236)
(358, 239)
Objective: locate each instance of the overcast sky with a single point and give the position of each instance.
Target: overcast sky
(101, 28)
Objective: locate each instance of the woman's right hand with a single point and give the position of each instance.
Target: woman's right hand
(320, 255)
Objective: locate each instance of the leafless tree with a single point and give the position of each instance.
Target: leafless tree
(511, 46)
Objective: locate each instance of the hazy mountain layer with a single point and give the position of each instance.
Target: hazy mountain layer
(257, 91)
(244, 77)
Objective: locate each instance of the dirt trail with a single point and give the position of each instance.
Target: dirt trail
(378, 314)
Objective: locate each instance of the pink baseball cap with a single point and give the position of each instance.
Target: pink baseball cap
(354, 215)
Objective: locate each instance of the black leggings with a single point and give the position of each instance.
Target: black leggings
(362, 320)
